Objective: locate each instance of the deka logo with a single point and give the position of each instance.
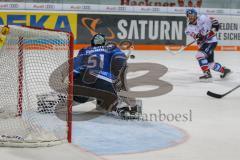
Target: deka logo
(52, 21)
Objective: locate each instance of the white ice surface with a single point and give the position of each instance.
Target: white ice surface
(214, 131)
(212, 134)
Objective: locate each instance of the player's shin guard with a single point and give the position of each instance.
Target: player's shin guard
(216, 67)
(202, 60)
(203, 63)
(219, 68)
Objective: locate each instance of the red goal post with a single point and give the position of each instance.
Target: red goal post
(29, 56)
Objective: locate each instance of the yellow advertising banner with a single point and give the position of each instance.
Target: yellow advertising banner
(58, 21)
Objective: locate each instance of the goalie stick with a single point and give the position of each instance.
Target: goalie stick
(215, 95)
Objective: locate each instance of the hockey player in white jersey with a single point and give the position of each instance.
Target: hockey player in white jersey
(203, 29)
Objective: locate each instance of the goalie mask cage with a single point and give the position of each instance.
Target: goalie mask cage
(35, 87)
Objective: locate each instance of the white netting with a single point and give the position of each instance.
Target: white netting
(33, 87)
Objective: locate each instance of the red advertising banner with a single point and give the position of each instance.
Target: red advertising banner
(169, 3)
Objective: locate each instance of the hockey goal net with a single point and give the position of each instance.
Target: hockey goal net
(35, 86)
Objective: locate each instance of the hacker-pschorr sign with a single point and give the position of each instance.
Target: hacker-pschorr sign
(142, 29)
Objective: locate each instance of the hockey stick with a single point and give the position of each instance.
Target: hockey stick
(215, 95)
(180, 50)
(183, 47)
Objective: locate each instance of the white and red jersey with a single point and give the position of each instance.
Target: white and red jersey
(203, 26)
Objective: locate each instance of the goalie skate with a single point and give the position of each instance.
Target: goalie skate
(127, 112)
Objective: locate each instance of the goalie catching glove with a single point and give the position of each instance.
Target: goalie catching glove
(4, 30)
(3, 33)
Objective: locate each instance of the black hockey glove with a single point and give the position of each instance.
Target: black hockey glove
(200, 37)
(215, 24)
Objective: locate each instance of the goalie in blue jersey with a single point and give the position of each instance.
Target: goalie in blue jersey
(97, 72)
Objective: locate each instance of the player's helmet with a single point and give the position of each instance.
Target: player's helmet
(191, 11)
(98, 40)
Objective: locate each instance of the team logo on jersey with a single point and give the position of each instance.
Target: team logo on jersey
(93, 25)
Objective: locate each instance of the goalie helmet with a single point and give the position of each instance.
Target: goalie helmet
(98, 40)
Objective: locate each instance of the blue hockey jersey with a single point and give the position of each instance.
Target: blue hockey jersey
(98, 61)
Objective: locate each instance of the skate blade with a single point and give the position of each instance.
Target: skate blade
(227, 75)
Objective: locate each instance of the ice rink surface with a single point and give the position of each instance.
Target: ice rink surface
(212, 133)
